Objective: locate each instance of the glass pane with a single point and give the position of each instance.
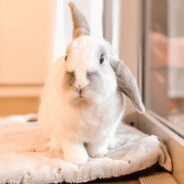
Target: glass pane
(164, 79)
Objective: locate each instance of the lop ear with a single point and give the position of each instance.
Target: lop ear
(80, 25)
(128, 84)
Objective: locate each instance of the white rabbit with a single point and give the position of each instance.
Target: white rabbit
(82, 102)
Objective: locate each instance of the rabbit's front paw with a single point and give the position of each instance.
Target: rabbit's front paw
(75, 154)
(54, 145)
(96, 150)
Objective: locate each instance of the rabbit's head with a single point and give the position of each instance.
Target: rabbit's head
(92, 72)
(88, 76)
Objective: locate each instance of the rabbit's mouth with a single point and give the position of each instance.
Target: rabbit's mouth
(80, 94)
(81, 98)
(84, 96)
(82, 101)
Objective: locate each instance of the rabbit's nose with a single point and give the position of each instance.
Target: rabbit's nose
(79, 87)
(81, 81)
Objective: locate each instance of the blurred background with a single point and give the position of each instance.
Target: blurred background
(147, 34)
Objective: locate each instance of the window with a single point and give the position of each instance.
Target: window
(164, 61)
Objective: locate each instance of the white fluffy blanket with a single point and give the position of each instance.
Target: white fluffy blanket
(19, 163)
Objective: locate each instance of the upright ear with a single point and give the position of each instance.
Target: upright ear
(128, 84)
(80, 25)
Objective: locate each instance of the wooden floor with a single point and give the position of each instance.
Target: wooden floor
(119, 182)
(18, 105)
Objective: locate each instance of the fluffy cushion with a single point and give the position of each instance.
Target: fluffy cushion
(20, 163)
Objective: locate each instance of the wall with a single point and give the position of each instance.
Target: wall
(26, 45)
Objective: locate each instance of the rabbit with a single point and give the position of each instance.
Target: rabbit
(83, 98)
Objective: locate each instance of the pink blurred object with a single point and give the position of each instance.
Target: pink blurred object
(176, 52)
(159, 50)
(166, 73)
(166, 52)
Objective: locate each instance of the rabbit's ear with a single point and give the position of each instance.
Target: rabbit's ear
(80, 25)
(127, 84)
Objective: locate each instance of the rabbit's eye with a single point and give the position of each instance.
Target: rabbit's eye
(102, 58)
(66, 57)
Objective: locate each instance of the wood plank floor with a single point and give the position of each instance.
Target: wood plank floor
(119, 182)
(18, 105)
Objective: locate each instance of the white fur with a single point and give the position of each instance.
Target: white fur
(81, 127)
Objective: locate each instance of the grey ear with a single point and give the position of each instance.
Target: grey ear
(80, 25)
(127, 83)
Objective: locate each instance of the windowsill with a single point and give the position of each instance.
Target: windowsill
(150, 125)
(177, 128)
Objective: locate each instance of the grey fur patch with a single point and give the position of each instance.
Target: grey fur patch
(127, 84)
(95, 82)
(80, 25)
(91, 75)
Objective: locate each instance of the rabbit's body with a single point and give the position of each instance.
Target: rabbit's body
(78, 122)
(82, 102)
